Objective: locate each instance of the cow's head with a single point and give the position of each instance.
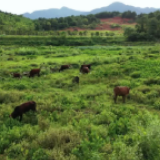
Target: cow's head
(16, 112)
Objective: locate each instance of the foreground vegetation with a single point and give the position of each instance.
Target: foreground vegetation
(81, 121)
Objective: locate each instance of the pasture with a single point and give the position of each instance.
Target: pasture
(81, 121)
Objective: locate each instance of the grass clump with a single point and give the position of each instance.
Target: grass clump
(26, 51)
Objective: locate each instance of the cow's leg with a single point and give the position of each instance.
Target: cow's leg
(20, 118)
(115, 98)
(123, 99)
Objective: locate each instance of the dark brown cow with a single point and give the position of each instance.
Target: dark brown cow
(16, 75)
(75, 79)
(34, 72)
(84, 70)
(121, 91)
(25, 107)
(63, 67)
(86, 65)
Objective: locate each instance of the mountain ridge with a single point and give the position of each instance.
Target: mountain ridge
(65, 11)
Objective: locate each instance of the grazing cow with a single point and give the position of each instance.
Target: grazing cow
(75, 79)
(63, 67)
(121, 91)
(34, 72)
(10, 59)
(16, 75)
(86, 65)
(25, 107)
(84, 70)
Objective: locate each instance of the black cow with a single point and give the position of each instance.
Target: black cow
(63, 67)
(23, 108)
(75, 79)
(16, 75)
(86, 65)
(84, 70)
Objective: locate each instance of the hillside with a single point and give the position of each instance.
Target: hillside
(11, 23)
(109, 24)
(18, 25)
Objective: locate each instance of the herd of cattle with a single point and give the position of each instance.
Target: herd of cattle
(33, 72)
(31, 105)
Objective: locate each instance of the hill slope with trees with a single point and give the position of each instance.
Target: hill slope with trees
(15, 24)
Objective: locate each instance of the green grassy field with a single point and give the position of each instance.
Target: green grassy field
(81, 121)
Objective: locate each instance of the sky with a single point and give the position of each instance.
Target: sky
(23, 6)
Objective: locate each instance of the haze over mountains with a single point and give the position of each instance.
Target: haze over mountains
(64, 11)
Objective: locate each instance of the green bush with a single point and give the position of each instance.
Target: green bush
(40, 154)
(10, 97)
(115, 26)
(135, 74)
(151, 81)
(26, 51)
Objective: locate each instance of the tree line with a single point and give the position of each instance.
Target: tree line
(89, 21)
(12, 24)
(127, 14)
(147, 28)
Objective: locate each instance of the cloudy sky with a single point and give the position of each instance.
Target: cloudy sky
(23, 6)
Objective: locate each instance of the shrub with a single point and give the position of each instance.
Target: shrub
(20, 86)
(114, 25)
(151, 81)
(12, 96)
(135, 74)
(149, 143)
(156, 104)
(89, 148)
(124, 152)
(40, 154)
(26, 51)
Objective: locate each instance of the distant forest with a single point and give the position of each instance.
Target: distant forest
(18, 25)
(147, 27)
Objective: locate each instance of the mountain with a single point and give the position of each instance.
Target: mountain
(120, 7)
(64, 11)
(53, 13)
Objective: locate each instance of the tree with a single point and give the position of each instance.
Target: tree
(153, 26)
(128, 31)
(54, 24)
(142, 24)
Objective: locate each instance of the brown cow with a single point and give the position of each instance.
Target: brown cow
(75, 79)
(34, 72)
(86, 65)
(63, 67)
(25, 107)
(16, 75)
(84, 70)
(121, 91)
